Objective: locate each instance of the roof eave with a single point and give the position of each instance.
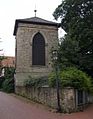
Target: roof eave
(33, 22)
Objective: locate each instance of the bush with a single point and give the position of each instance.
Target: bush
(9, 72)
(1, 81)
(36, 82)
(72, 77)
(8, 85)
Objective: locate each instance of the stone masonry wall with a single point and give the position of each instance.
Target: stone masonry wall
(24, 38)
(48, 96)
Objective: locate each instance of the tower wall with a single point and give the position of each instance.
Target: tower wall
(24, 40)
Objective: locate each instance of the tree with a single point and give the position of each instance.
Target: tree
(77, 20)
(68, 53)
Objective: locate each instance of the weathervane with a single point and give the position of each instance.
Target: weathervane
(35, 10)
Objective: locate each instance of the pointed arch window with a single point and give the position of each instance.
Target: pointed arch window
(38, 50)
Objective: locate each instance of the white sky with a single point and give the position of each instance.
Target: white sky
(10, 10)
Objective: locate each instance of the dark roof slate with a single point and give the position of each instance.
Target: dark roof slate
(34, 20)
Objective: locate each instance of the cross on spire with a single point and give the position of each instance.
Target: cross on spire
(35, 10)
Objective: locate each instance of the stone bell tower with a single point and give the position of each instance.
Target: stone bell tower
(35, 37)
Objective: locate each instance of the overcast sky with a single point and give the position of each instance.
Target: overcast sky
(10, 10)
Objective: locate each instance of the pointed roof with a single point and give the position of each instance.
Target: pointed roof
(34, 20)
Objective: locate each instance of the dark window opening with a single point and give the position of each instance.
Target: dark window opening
(38, 50)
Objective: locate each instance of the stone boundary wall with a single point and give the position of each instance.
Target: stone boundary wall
(48, 96)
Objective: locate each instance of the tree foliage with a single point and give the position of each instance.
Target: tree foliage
(77, 20)
(74, 13)
(68, 53)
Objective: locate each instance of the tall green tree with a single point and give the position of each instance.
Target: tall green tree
(77, 20)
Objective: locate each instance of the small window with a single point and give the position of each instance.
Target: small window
(38, 50)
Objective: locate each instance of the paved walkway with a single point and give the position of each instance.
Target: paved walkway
(12, 107)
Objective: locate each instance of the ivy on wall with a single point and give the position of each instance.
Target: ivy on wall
(36, 82)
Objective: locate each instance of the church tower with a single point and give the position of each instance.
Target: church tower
(35, 37)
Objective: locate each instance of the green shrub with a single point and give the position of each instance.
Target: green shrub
(52, 80)
(1, 81)
(8, 85)
(71, 77)
(36, 82)
(9, 72)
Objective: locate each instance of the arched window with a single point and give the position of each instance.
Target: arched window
(38, 50)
